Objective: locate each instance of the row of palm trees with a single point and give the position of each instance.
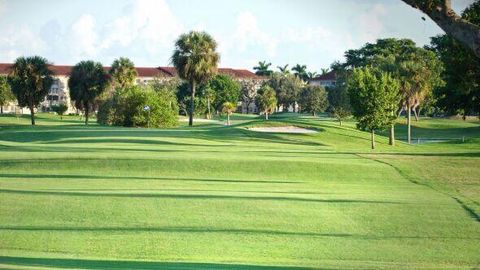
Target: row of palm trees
(263, 69)
(195, 58)
(31, 78)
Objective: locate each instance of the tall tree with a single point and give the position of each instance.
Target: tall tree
(287, 88)
(196, 58)
(266, 100)
(400, 57)
(123, 72)
(461, 93)
(30, 80)
(248, 91)
(313, 99)
(263, 69)
(338, 98)
(225, 88)
(441, 12)
(372, 94)
(300, 71)
(87, 81)
(6, 95)
(283, 69)
(324, 71)
(419, 74)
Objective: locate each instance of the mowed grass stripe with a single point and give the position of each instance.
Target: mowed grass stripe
(225, 197)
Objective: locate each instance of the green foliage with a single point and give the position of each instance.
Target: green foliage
(30, 79)
(313, 99)
(287, 88)
(140, 106)
(373, 96)
(461, 93)
(123, 72)
(195, 59)
(60, 109)
(87, 81)
(266, 100)
(263, 69)
(339, 99)
(228, 108)
(184, 98)
(6, 94)
(300, 71)
(283, 69)
(221, 89)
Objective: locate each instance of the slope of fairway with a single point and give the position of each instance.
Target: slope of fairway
(220, 197)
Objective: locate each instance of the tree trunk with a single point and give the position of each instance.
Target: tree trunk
(32, 114)
(372, 135)
(415, 113)
(340, 120)
(209, 116)
(409, 121)
(314, 114)
(445, 17)
(1, 109)
(228, 119)
(266, 115)
(192, 104)
(87, 112)
(391, 140)
(400, 111)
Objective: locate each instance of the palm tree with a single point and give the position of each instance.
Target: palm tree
(123, 72)
(284, 69)
(311, 75)
(87, 81)
(300, 71)
(196, 59)
(228, 108)
(324, 71)
(30, 79)
(262, 69)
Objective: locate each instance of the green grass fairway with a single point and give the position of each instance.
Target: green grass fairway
(218, 197)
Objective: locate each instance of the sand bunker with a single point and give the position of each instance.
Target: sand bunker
(285, 129)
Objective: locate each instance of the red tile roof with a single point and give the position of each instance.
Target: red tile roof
(62, 70)
(329, 76)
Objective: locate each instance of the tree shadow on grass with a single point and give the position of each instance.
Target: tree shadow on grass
(111, 264)
(101, 177)
(194, 196)
(213, 230)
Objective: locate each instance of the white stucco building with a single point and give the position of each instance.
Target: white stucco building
(328, 79)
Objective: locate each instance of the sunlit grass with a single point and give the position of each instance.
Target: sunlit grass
(214, 196)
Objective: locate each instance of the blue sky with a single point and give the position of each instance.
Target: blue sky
(310, 32)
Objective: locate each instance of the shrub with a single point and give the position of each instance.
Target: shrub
(138, 106)
(60, 109)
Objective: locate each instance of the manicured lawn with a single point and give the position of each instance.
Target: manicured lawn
(216, 197)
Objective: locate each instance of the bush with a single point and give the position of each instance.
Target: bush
(313, 99)
(60, 109)
(138, 106)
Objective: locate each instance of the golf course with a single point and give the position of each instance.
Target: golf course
(213, 196)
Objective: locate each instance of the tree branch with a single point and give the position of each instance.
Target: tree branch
(441, 12)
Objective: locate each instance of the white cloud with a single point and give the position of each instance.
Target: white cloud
(248, 33)
(18, 41)
(371, 23)
(307, 35)
(83, 37)
(150, 22)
